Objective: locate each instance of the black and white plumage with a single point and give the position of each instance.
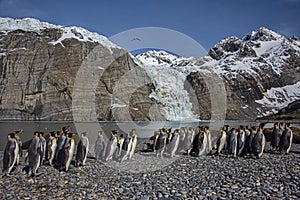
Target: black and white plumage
(51, 144)
(188, 140)
(199, 142)
(44, 145)
(82, 149)
(134, 143)
(161, 142)
(221, 141)
(250, 133)
(68, 151)
(61, 139)
(241, 139)
(286, 139)
(233, 143)
(35, 154)
(11, 152)
(275, 137)
(258, 143)
(100, 145)
(209, 141)
(182, 133)
(126, 147)
(120, 145)
(111, 146)
(174, 143)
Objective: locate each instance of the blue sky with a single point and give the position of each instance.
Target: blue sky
(206, 21)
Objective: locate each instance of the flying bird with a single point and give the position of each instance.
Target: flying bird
(136, 39)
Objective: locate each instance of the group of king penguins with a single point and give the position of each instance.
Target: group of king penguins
(245, 141)
(58, 147)
(55, 149)
(120, 147)
(241, 141)
(193, 141)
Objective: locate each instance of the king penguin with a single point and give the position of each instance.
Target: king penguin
(221, 140)
(247, 145)
(259, 142)
(173, 146)
(59, 149)
(241, 139)
(111, 146)
(100, 146)
(82, 149)
(11, 152)
(126, 147)
(233, 145)
(182, 133)
(199, 142)
(209, 141)
(276, 134)
(17, 137)
(120, 145)
(161, 142)
(35, 154)
(44, 145)
(68, 151)
(51, 147)
(134, 143)
(286, 139)
(188, 140)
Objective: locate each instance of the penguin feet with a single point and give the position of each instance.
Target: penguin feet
(7, 174)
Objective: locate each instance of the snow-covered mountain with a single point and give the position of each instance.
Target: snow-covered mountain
(39, 62)
(260, 72)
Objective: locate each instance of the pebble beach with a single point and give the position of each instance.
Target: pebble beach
(274, 176)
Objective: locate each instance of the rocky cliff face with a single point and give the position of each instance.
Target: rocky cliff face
(39, 64)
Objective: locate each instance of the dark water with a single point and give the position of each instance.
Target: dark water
(145, 129)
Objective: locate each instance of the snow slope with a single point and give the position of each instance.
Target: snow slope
(280, 97)
(29, 24)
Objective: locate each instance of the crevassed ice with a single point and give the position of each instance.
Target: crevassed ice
(169, 84)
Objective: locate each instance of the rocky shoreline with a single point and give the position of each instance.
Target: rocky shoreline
(273, 176)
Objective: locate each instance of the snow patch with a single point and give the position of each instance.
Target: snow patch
(81, 34)
(280, 97)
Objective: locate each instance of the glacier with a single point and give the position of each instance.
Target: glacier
(168, 73)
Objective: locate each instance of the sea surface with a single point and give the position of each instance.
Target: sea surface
(145, 129)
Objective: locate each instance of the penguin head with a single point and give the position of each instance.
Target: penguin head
(36, 133)
(18, 132)
(10, 135)
(41, 134)
(84, 133)
(280, 124)
(69, 135)
(287, 125)
(100, 133)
